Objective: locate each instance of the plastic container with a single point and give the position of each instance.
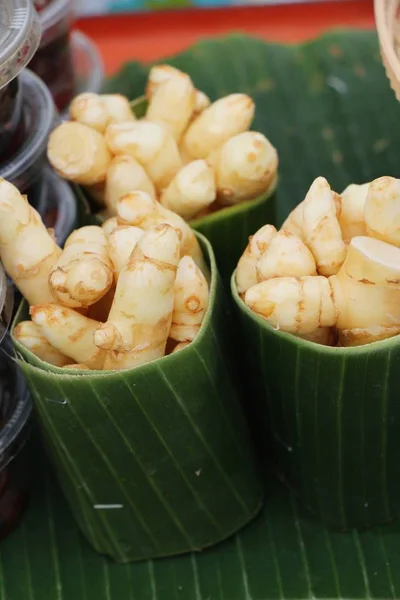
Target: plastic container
(19, 38)
(88, 64)
(41, 4)
(15, 411)
(53, 59)
(56, 204)
(24, 167)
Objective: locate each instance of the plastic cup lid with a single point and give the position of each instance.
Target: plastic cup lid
(56, 11)
(20, 32)
(40, 118)
(6, 303)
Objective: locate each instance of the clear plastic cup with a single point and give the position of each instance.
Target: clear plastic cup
(57, 205)
(88, 64)
(41, 4)
(15, 432)
(20, 32)
(53, 59)
(25, 166)
(15, 412)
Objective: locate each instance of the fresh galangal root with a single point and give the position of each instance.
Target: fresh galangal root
(192, 155)
(331, 275)
(117, 296)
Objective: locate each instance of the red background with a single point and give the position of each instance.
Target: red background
(151, 36)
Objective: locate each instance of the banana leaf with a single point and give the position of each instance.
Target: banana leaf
(328, 419)
(155, 460)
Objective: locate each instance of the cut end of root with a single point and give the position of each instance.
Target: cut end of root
(89, 280)
(105, 337)
(134, 207)
(38, 314)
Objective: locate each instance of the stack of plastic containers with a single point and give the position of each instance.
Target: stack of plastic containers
(67, 61)
(27, 116)
(27, 111)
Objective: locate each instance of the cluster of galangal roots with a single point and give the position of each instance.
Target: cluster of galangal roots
(191, 155)
(115, 297)
(332, 273)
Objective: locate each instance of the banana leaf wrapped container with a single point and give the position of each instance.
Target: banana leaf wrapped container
(329, 420)
(156, 460)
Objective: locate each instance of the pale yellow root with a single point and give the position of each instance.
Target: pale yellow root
(151, 145)
(293, 304)
(121, 243)
(118, 108)
(125, 175)
(78, 153)
(190, 302)
(137, 328)
(286, 256)
(88, 109)
(140, 210)
(321, 230)
(223, 119)
(202, 102)
(366, 290)
(180, 346)
(351, 218)
(30, 335)
(245, 167)
(172, 104)
(382, 210)
(27, 250)
(159, 74)
(246, 272)
(362, 300)
(109, 226)
(294, 222)
(71, 332)
(98, 111)
(360, 337)
(326, 336)
(191, 191)
(84, 273)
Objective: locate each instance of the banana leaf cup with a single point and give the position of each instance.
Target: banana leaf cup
(329, 420)
(156, 460)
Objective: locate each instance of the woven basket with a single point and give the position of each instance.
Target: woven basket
(387, 16)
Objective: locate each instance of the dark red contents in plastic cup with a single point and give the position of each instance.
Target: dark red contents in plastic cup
(53, 63)
(41, 4)
(15, 430)
(13, 495)
(12, 128)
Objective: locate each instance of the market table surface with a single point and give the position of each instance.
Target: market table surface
(150, 36)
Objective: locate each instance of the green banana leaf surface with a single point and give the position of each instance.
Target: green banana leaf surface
(156, 460)
(328, 108)
(329, 418)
